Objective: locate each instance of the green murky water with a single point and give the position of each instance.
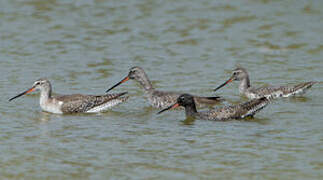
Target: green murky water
(86, 46)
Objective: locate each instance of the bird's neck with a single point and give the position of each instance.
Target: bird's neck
(244, 85)
(145, 83)
(45, 95)
(190, 110)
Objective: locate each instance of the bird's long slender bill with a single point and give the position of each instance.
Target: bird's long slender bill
(226, 82)
(122, 81)
(23, 93)
(168, 108)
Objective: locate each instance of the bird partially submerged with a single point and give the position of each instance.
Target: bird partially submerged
(74, 103)
(243, 110)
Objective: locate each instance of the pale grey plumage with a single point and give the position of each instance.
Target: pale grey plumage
(75, 103)
(241, 74)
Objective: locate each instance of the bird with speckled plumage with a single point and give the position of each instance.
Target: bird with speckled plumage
(162, 99)
(240, 111)
(245, 88)
(74, 103)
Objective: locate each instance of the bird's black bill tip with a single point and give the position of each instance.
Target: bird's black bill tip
(23, 93)
(168, 108)
(122, 81)
(225, 83)
(12, 98)
(163, 110)
(109, 89)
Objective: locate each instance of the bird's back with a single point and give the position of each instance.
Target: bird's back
(82, 103)
(236, 111)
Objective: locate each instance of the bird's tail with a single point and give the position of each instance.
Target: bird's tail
(303, 87)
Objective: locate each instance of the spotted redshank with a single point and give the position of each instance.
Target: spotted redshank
(162, 99)
(243, 110)
(75, 103)
(241, 74)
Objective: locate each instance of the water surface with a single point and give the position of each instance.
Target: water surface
(87, 46)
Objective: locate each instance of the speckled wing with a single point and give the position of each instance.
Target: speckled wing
(219, 114)
(297, 89)
(238, 111)
(282, 91)
(267, 91)
(77, 103)
(251, 107)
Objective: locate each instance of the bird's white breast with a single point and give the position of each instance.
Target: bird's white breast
(52, 107)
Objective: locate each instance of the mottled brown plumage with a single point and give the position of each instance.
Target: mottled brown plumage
(82, 103)
(162, 99)
(223, 113)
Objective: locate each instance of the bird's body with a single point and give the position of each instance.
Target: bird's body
(239, 111)
(245, 88)
(235, 112)
(78, 103)
(278, 91)
(75, 103)
(162, 99)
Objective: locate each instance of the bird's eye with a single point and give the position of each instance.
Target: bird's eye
(235, 73)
